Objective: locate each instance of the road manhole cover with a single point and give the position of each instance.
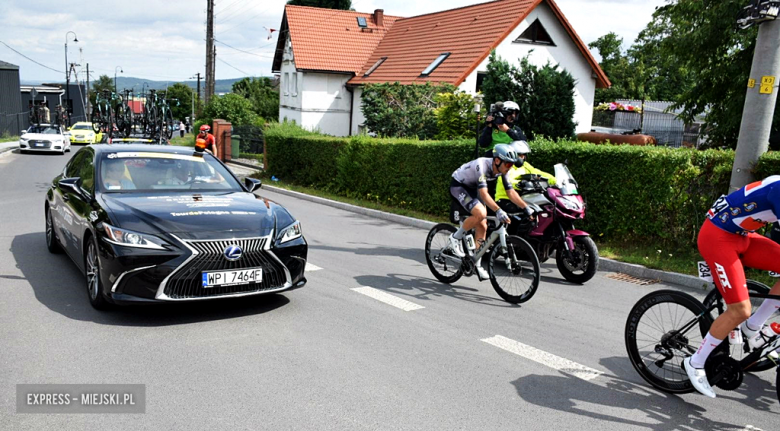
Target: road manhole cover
(631, 279)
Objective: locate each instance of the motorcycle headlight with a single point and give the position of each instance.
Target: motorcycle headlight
(127, 238)
(290, 233)
(571, 205)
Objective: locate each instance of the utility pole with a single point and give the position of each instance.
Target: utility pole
(761, 96)
(210, 54)
(87, 111)
(198, 93)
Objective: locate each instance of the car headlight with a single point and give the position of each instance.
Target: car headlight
(127, 238)
(290, 233)
(23, 139)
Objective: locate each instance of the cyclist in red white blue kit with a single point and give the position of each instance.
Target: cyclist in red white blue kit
(727, 241)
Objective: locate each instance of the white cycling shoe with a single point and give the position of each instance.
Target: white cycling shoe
(698, 378)
(482, 273)
(456, 247)
(756, 341)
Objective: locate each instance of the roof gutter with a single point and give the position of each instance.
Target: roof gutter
(351, 106)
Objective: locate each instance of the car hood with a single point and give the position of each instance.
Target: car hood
(42, 137)
(197, 215)
(82, 132)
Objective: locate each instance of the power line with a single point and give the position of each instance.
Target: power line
(230, 5)
(234, 67)
(39, 64)
(241, 50)
(246, 20)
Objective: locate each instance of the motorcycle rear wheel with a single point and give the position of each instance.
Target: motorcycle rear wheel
(588, 254)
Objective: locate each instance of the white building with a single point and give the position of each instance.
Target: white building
(324, 56)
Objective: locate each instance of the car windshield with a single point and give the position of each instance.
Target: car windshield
(46, 130)
(150, 172)
(82, 127)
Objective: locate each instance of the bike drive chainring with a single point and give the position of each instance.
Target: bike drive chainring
(724, 371)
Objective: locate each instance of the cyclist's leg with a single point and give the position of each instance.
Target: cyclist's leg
(762, 253)
(722, 250)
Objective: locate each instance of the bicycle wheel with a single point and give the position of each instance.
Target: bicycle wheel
(715, 298)
(168, 120)
(128, 120)
(153, 122)
(664, 328)
(444, 265)
(514, 271)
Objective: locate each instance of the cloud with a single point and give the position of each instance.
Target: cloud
(166, 40)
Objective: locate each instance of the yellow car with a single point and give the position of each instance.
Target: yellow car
(83, 133)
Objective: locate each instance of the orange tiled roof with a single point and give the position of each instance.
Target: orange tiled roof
(328, 39)
(468, 33)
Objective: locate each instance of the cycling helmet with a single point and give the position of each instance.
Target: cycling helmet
(505, 153)
(205, 128)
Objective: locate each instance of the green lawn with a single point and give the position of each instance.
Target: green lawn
(187, 141)
(679, 261)
(8, 138)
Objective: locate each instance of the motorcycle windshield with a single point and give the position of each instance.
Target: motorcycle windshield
(565, 181)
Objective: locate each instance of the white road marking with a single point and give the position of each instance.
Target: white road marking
(388, 298)
(310, 267)
(544, 358)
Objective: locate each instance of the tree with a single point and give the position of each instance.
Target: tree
(702, 39)
(618, 68)
(328, 4)
(396, 110)
(230, 107)
(183, 94)
(545, 95)
(104, 82)
(259, 91)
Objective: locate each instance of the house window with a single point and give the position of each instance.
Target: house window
(428, 70)
(480, 78)
(373, 68)
(286, 83)
(536, 34)
(361, 20)
(295, 84)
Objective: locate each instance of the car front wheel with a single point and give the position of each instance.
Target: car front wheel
(94, 284)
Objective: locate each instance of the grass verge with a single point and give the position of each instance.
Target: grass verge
(187, 141)
(679, 261)
(8, 138)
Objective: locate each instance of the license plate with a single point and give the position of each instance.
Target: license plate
(38, 145)
(232, 278)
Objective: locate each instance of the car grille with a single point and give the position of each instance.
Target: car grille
(36, 143)
(186, 281)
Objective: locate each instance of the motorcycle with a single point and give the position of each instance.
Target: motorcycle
(557, 207)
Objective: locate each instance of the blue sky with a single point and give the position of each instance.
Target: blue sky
(162, 41)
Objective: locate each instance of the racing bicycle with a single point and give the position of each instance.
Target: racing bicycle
(666, 326)
(513, 266)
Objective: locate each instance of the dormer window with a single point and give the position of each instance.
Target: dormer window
(428, 70)
(536, 34)
(373, 68)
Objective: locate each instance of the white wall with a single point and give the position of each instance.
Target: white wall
(357, 111)
(565, 54)
(316, 101)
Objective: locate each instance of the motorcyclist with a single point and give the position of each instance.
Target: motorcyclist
(469, 188)
(501, 127)
(522, 167)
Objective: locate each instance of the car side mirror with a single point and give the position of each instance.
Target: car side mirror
(252, 184)
(72, 185)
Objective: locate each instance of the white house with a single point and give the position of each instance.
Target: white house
(324, 56)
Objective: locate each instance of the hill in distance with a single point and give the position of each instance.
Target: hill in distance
(220, 86)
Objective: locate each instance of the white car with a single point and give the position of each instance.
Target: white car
(44, 137)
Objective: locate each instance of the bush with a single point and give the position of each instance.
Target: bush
(402, 110)
(230, 107)
(646, 195)
(545, 96)
(455, 116)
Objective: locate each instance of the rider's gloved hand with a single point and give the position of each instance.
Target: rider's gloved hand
(502, 216)
(530, 211)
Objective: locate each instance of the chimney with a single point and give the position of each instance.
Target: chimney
(379, 17)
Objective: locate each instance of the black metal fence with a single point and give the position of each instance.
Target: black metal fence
(250, 139)
(666, 127)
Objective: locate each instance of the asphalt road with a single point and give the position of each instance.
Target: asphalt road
(328, 357)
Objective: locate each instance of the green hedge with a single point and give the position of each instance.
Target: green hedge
(649, 195)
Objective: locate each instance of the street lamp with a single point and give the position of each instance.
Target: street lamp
(67, 76)
(120, 71)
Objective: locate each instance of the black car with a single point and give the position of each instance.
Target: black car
(160, 223)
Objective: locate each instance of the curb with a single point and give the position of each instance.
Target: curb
(6, 149)
(607, 265)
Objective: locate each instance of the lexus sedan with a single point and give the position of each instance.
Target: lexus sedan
(163, 224)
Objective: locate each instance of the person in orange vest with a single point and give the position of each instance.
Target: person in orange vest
(206, 141)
